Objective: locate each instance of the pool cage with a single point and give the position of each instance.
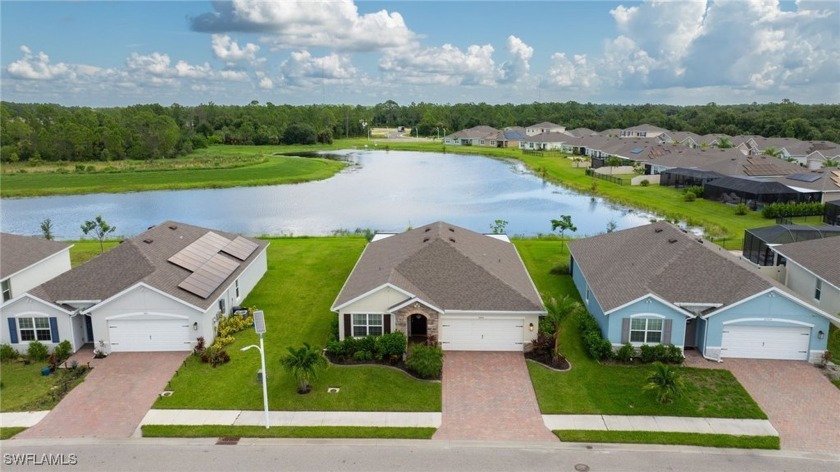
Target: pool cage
(758, 242)
(687, 177)
(754, 193)
(832, 213)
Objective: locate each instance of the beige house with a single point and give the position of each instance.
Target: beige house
(468, 291)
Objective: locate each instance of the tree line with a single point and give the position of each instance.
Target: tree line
(33, 132)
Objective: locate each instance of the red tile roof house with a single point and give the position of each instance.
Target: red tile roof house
(468, 290)
(157, 291)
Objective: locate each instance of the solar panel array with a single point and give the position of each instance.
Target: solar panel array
(200, 251)
(240, 248)
(209, 276)
(805, 177)
(755, 167)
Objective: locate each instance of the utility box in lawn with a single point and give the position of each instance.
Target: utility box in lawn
(259, 376)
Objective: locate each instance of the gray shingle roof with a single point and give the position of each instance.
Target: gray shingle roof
(19, 252)
(447, 266)
(135, 261)
(820, 256)
(658, 258)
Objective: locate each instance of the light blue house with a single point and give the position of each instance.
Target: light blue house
(657, 284)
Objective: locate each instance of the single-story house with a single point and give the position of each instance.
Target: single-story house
(657, 284)
(28, 262)
(759, 243)
(157, 291)
(812, 270)
(467, 290)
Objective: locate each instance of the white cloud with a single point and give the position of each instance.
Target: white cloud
(516, 69)
(37, 67)
(441, 65)
(575, 73)
(295, 24)
(225, 49)
(302, 69)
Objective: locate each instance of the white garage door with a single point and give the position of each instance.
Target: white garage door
(149, 335)
(481, 334)
(762, 342)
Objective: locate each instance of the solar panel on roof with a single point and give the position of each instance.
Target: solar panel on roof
(209, 276)
(240, 248)
(637, 150)
(199, 251)
(805, 177)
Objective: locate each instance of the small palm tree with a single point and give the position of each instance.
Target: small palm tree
(665, 381)
(556, 311)
(303, 364)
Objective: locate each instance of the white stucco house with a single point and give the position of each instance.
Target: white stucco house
(157, 291)
(469, 291)
(26, 262)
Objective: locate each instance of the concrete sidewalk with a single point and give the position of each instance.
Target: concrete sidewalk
(671, 424)
(22, 419)
(292, 418)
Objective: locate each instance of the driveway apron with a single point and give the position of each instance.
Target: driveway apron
(488, 396)
(798, 399)
(113, 399)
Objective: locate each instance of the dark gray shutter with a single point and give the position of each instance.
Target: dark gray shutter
(348, 325)
(666, 333)
(625, 330)
(13, 331)
(54, 329)
(386, 324)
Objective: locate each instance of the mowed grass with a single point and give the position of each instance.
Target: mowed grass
(271, 171)
(304, 276)
(592, 388)
(86, 249)
(682, 439)
(10, 432)
(215, 431)
(25, 389)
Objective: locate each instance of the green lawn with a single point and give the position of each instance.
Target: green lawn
(9, 432)
(304, 276)
(215, 431)
(269, 171)
(683, 439)
(25, 389)
(86, 249)
(592, 388)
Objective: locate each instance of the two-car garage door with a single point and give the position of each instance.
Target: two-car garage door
(149, 335)
(765, 342)
(481, 334)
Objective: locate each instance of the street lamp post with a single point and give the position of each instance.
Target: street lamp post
(259, 327)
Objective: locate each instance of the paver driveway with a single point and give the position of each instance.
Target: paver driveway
(489, 396)
(113, 399)
(800, 402)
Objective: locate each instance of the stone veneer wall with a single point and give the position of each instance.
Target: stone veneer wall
(432, 318)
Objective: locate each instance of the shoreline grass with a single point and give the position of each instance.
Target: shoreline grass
(670, 438)
(356, 432)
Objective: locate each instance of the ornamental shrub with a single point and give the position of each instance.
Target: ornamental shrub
(673, 355)
(8, 353)
(362, 356)
(626, 353)
(742, 209)
(787, 210)
(425, 361)
(37, 351)
(63, 351)
(390, 345)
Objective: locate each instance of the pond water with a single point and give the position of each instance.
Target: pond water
(386, 191)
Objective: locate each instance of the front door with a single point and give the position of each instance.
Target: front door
(690, 333)
(89, 328)
(418, 325)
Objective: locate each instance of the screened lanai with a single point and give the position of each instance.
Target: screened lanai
(759, 241)
(687, 177)
(755, 193)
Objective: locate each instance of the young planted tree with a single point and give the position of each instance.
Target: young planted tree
(557, 310)
(100, 229)
(611, 162)
(665, 381)
(563, 224)
(498, 226)
(303, 364)
(46, 229)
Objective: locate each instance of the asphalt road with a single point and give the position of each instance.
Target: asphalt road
(204, 455)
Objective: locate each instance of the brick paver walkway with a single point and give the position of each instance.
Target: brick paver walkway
(113, 399)
(489, 396)
(800, 402)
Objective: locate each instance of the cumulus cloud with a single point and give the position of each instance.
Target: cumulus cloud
(303, 69)
(295, 24)
(38, 67)
(441, 65)
(516, 68)
(574, 74)
(228, 50)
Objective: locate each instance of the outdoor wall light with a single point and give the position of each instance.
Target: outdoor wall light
(195, 326)
(530, 326)
(821, 334)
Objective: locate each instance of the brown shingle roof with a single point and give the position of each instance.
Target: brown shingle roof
(136, 260)
(820, 256)
(658, 258)
(19, 252)
(447, 266)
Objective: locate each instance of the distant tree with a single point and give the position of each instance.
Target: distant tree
(100, 229)
(773, 152)
(498, 226)
(611, 226)
(300, 133)
(831, 163)
(724, 142)
(46, 229)
(563, 224)
(612, 161)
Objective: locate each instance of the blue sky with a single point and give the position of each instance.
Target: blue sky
(365, 52)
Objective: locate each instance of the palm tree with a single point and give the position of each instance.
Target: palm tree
(556, 311)
(831, 163)
(665, 381)
(724, 142)
(303, 364)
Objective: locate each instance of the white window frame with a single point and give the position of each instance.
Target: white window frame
(236, 289)
(647, 330)
(7, 289)
(818, 290)
(35, 330)
(367, 324)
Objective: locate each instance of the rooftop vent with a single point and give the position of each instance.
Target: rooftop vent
(657, 230)
(173, 227)
(452, 239)
(452, 230)
(672, 240)
(148, 241)
(425, 240)
(427, 230)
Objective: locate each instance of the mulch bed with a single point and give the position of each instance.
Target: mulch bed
(400, 365)
(549, 361)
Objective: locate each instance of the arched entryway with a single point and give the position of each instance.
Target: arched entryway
(418, 326)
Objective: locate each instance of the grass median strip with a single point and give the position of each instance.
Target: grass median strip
(10, 431)
(681, 439)
(211, 431)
